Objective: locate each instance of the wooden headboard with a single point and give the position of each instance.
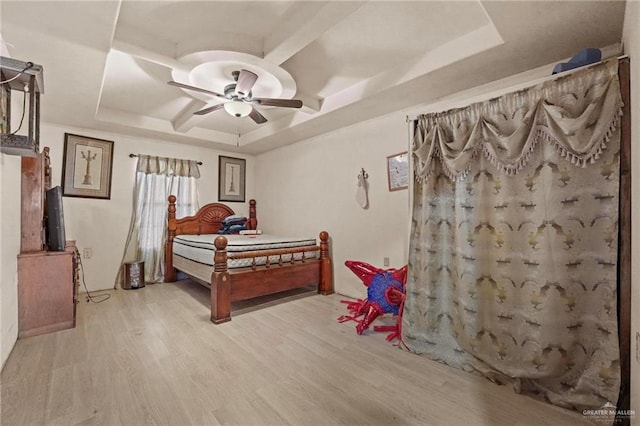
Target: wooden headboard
(208, 220)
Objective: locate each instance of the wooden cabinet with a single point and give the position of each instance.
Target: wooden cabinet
(47, 291)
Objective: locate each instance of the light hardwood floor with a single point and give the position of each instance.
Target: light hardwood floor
(151, 356)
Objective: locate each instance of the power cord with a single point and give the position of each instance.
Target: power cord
(27, 66)
(90, 298)
(24, 108)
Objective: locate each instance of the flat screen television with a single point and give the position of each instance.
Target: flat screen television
(56, 238)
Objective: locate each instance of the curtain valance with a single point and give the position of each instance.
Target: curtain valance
(576, 113)
(149, 164)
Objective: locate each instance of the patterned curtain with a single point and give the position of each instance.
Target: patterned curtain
(156, 179)
(513, 254)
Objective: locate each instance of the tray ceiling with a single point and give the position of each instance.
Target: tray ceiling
(107, 63)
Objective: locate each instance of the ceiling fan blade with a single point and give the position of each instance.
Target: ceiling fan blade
(246, 80)
(286, 103)
(209, 109)
(196, 89)
(257, 117)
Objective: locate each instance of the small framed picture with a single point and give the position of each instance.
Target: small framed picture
(231, 179)
(398, 171)
(86, 167)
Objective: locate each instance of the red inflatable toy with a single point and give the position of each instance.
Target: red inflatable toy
(385, 294)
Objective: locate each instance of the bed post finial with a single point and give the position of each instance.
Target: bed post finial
(220, 256)
(172, 217)
(172, 206)
(326, 275)
(253, 219)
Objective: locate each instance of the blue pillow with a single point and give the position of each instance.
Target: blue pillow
(582, 58)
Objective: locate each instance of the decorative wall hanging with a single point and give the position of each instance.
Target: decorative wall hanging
(362, 197)
(86, 167)
(231, 179)
(398, 171)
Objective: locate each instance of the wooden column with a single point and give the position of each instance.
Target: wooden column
(170, 271)
(325, 286)
(34, 178)
(220, 284)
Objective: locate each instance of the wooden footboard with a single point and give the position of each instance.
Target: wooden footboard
(270, 278)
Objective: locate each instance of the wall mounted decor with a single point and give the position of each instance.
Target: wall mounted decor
(231, 179)
(398, 171)
(362, 196)
(86, 167)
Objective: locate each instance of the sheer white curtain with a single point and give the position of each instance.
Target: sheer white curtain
(156, 179)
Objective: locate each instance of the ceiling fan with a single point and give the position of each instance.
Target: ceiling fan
(239, 101)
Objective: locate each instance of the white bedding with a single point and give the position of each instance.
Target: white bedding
(200, 248)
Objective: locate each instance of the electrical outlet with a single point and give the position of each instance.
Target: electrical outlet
(385, 261)
(87, 253)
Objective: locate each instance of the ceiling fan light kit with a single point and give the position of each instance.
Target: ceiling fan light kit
(239, 98)
(238, 108)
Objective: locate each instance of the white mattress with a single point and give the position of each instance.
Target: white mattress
(200, 248)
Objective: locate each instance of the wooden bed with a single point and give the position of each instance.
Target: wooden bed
(232, 285)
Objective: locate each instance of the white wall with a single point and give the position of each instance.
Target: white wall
(98, 224)
(9, 248)
(631, 39)
(310, 186)
(10, 167)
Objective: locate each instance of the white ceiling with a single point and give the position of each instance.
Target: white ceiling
(107, 63)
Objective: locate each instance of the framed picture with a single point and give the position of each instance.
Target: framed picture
(398, 171)
(86, 167)
(231, 179)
